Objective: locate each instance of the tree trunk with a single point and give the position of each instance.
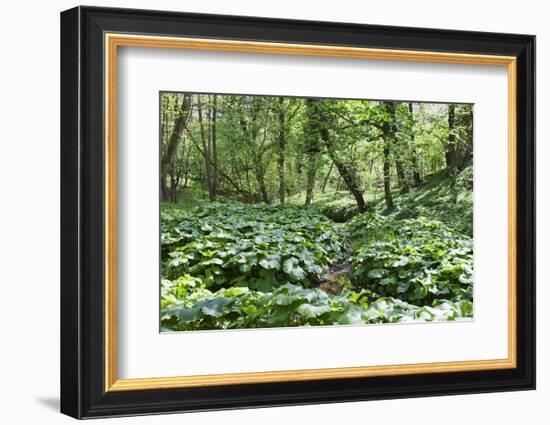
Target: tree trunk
(349, 177)
(402, 177)
(417, 180)
(215, 170)
(281, 159)
(450, 149)
(311, 145)
(387, 177)
(251, 131)
(388, 135)
(175, 178)
(261, 169)
(164, 194)
(187, 170)
(310, 182)
(339, 183)
(325, 181)
(260, 179)
(208, 163)
(347, 172)
(163, 134)
(223, 175)
(175, 139)
(468, 148)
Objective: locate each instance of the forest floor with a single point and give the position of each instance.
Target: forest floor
(439, 197)
(231, 265)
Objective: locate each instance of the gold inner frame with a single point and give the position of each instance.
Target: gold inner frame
(113, 41)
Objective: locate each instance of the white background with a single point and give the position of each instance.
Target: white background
(139, 343)
(29, 228)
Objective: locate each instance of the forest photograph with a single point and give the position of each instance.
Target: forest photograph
(297, 211)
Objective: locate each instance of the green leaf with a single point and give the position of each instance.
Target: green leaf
(310, 310)
(235, 292)
(217, 261)
(185, 314)
(466, 308)
(403, 287)
(272, 262)
(215, 307)
(292, 268)
(284, 299)
(419, 292)
(390, 280)
(265, 284)
(377, 273)
(403, 261)
(466, 279)
(461, 196)
(351, 316)
(246, 267)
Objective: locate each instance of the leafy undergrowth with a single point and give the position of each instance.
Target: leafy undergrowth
(257, 246)
(187, 305)
(442, 198)
(416, 260)
(228, 266)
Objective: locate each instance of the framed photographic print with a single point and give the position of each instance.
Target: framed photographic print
(261, 212)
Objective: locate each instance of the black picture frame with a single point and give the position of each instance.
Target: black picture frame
(83, 392)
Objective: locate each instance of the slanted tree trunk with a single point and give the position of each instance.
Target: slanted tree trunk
(281, 159)
(346, 171)
(325, 181)
(174, 141)
(350, 179)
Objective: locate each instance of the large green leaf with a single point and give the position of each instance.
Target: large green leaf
(272, 262)
(215, 307)
(185, 314)
(292, 268)
(310, 310)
